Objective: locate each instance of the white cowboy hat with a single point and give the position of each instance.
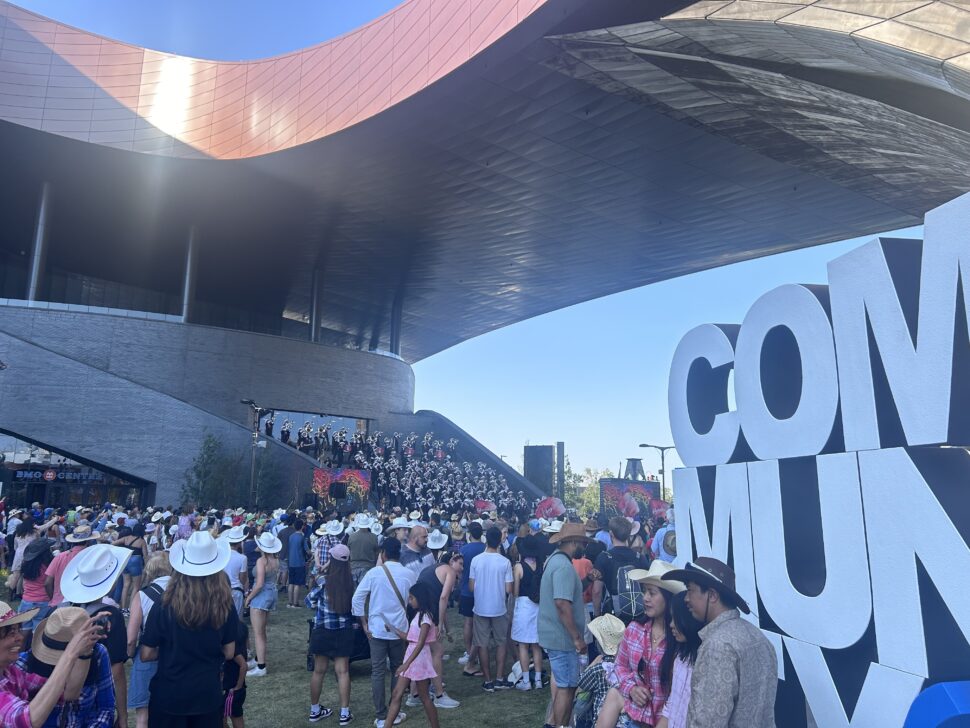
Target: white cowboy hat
(654, 576)
(227, 521)
(376, 528)
(239, 511)
(554, 527)
(167, 514)
(399, 522)
(351, 529)
(362, 520)
(172, 530)
(150, 528)
(268, 543)
(234, 534)
(415, 515)
(200, 555)
(334, 528)
(437, 540)
(92, 573)
(156, 517)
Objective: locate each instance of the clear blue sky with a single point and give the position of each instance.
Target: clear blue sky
(593, 375)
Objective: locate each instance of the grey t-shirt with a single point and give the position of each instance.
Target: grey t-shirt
(559, 581)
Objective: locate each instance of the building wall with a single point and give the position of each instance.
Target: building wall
(138, 396)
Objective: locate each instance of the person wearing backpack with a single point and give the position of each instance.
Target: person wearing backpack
(158, 573)
(614, 567)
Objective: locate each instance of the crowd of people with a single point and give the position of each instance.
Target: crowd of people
(409, 471)
(593, 611)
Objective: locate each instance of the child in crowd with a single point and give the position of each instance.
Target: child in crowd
(234, 679)
(417, 663)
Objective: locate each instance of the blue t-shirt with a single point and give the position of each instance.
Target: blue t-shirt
(468, 553)
(296, 557)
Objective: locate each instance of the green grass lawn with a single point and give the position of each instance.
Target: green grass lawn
(282, 698)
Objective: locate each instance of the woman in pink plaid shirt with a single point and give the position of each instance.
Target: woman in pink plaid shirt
(645, 659)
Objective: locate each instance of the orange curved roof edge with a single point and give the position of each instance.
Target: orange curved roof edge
(67, 81)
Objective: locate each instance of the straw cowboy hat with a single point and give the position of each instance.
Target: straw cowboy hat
(81, 534)
(268, 543)
(200, 555)
(456, 531)
(569, 532)
(234, 534)
(399, 522)
(415, 515)
(92, 573)
(711, 574)
(53, 634)
(437, 540)
(8, 617)
(608, 631)
(334, 528)
(656, 575)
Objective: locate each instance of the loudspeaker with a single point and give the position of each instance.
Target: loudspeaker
(538, 466)
(338, 491)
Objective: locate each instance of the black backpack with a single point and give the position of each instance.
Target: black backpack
(625, 594)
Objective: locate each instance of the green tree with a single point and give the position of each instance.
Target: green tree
(215, 476)
(582, 489)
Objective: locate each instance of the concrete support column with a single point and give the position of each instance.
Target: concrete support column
(191, 272)
(397, 311)
(316, 296)
(38, 257)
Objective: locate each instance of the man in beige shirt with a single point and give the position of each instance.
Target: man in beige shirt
(736, 673)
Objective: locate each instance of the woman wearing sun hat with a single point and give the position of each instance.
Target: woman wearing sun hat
(191, 634)
(89, 696)
(645, 658)
(17, 708)
(262, 599)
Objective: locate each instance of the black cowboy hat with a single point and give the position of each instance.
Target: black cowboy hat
(712, 574)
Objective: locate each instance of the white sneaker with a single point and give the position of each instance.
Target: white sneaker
(523, 685)
(445, 701)
(413, 701)
(378, 723)
(251, 665)
(463, 660)
(538, 685)
(516, 673)
(256, 672)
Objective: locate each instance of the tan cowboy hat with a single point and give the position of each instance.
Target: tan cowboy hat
(53, 634)
(9, 617)
(655, 576)
(569, 532)
(608, 631)
(457, 531)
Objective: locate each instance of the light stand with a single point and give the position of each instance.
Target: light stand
(663, 470)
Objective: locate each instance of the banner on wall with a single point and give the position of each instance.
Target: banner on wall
(637, 499)
(836, 485)
(358, 482)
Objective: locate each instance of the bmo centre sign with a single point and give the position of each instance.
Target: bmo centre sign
(838, 485)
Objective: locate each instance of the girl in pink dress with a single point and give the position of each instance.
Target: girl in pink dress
(417, 663)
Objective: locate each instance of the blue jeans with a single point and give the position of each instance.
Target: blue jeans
(26, 606)
(565, 667)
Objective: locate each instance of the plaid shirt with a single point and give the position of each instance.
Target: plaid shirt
(322, 549)
(594, 684)
(635, 648)
(17, 687)
(326, 618)
(94, 708)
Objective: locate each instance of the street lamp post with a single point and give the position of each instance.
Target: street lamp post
(663, 470)
(256, 410)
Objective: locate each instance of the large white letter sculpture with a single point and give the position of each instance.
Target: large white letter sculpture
(853, 557)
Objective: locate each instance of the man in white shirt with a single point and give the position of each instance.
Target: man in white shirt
(236, 569)
(387, 586)
(490, 580)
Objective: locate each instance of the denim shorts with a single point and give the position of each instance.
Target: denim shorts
(139, 681)
(266, 599)
(565, 667)
(26, 606)
(135, 565)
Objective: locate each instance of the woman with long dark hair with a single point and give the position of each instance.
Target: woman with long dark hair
(134, 542)
(37, 557)
(645, 659)
(333, 633)
(191, 634)
(686, 630)
(526, 575)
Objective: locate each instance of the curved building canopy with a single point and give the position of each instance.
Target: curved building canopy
(454, 167)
